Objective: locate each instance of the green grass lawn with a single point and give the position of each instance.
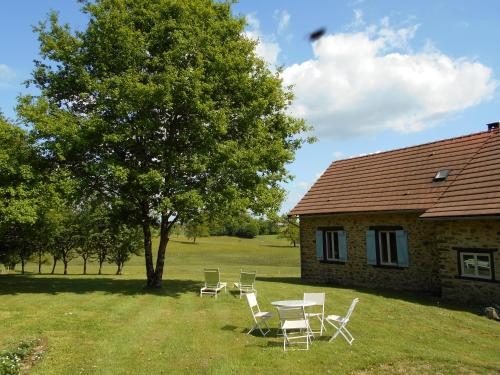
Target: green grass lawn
(109, 325)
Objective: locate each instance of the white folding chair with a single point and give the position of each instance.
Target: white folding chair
(212, 282)
(319, 300)
(340, 323)
(259, 317)
(294, 326)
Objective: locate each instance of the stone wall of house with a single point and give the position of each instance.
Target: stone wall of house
(421, 275)
(468, 234)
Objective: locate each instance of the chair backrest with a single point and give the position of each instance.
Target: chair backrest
(318, 298)
(291, 313)
(247, 278)
(252, 302)
(212, 277)
(351, 309)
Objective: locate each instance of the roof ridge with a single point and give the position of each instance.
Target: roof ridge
(491, 133)
(414, 146)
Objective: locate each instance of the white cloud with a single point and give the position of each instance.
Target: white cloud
(338, 154)
(304, 185)
(367, 81)
(267, 48)
(7, 75)
(358, 18)
(283, 18)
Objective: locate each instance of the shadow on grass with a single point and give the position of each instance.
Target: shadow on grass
(184, 242)
(280, 246)
(19, 284)
(422, 298)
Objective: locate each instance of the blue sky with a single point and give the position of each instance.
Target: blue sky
(388, 74)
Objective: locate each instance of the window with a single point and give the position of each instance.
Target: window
(387, 248)
(331, 245)
(476, 265)
(332, 249)
(441, 175)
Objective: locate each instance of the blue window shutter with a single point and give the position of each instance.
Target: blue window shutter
(342, 245)
(402, 247)
(371, 249)
(319, 245)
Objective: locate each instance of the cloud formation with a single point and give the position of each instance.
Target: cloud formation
(267, 48)
(7, 75)
(283, 18)
(367, 81)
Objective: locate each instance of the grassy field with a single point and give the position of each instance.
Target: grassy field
(109, 325)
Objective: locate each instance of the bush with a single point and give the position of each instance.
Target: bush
(10, 360)
(9, 363)
(248, 230)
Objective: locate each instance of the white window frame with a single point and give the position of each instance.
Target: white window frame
(332, 244)
(388, 242)
(476, 272)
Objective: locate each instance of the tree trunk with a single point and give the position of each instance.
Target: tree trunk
(84, 266)
(119, 268)
(162, 247)
(65, 266)
(100, 266)
(22, 266)
(148, 251)
(39, 262)
(294, 244)
(53, 266)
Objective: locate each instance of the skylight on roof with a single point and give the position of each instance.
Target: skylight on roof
(441, 175)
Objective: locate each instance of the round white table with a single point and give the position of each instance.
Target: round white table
(293, 303)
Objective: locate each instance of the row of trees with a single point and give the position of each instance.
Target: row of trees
(160, 109)
(44, 212)
(243, 225)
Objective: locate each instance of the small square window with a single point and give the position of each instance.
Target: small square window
(441, 175)
(476, 265)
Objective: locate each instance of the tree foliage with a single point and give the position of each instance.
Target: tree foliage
(164, 107)
(289, 229)
(197, 227)
(127, 241)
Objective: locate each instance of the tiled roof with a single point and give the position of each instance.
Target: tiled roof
(476, 191)
(402, 180)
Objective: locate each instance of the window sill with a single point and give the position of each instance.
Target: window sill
(388, 267)
(477, 279)
(333, 261)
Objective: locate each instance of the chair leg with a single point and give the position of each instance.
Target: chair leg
(323, 327)
(349, 339)
(336, 333)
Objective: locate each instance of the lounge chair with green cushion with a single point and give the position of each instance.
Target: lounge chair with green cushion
(212, 282)
(246, 283)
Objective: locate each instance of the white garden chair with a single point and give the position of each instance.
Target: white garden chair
(319, 300)
(294, 326)
(259, 317)
(340, 323)
(212, 282)
(246, 283)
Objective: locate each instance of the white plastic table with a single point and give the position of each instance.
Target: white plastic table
(293, 303)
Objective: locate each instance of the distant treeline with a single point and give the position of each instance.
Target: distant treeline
(243, 225)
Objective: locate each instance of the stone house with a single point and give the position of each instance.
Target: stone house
(422, 218)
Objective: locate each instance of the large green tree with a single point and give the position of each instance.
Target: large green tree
(163, 106)
(19, 194)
